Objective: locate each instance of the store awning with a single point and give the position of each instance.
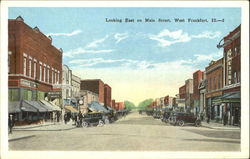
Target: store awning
(50, 105)
(26, 107)
(71, 109)
(95, 106)
(37, 104)
(232, 97)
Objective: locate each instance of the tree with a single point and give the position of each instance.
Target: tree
(129, 105)
(142, 105)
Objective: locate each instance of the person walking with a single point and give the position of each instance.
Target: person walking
(10, 123)
(225, 118)
(65, 118)
(208, 118)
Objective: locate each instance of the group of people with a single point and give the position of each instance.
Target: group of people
(77, 118)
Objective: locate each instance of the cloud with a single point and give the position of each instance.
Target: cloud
(167, 38)
(120, 36)
(65, 34)
(95, 43)
(80, 50)
(207, 57)
(207, 34)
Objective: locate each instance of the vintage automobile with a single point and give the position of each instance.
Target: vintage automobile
(93, 118)
(181, 118)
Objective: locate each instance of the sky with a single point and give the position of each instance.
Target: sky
(139, 60)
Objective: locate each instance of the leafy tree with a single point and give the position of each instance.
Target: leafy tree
(142, 105)
(129, 105)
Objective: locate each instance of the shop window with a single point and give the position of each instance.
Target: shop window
(14, 95)
(40, 95)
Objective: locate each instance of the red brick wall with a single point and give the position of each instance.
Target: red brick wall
(24, 39)
(182, 92)
(107, 95)
(113, 103)
(235, 47)
(214, 75)
(119, 105)
(96, 86)
(197, 77)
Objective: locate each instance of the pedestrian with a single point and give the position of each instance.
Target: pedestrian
(10, 123)
(65, 118)
(225, 118)
(208, 118)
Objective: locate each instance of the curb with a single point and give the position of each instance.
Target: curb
(220, 128)
(46, 130)
(19, 138)
(35, 126)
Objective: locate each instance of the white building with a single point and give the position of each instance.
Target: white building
(75, 86)
(87, 97)
(66, 85)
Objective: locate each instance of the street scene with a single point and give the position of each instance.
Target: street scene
(125, 79)
(134, 132)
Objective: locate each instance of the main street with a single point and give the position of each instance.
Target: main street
(135, 132)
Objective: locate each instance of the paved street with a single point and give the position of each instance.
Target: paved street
(134, 132)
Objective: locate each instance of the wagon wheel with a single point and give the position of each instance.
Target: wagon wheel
(85, 124)
(100, 123)
(181, 123)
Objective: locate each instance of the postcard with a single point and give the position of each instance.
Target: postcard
(124, 79)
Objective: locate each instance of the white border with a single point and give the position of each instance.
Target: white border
(70, 154)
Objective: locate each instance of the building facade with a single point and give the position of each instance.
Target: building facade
(95, 86)
(214, 76)
(107, 95)
(189, 104)
(87, 98)
(232, 76)
(197, 78)
(66, 85)
(75, 85)
(35, 65)
(119, 105)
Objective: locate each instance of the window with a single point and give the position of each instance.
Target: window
(52, 77)
(214, 83)
(58, 80)
(34, 70)
(235, 77)
(44, 74)
(238, 76)
(55, 77)
(24, 66)
(30, 65)
(219, 82)
(40, 76)
(48, 75)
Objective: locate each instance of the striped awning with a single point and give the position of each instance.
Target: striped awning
(71, 109)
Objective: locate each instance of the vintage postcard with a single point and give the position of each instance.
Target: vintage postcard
(119, 79)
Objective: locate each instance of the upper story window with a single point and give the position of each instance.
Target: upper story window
(44, 73)
(40, 72)
(24, 65)
(34, 73)
(30, 66)
(235, 77)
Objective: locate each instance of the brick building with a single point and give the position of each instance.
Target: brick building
(197, 78)
(35, 65)
(189, 102)
(214, 76)
(119, 105)
(181, 97)
(113, 103)
(232, 73)
(96, 86)
(107, 95)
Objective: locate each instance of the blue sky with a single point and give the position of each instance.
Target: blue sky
(148, 59)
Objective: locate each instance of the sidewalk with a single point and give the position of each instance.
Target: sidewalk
(49, 126)
(213, 125)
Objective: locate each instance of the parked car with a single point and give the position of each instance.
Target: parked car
(95, 118)
(181, 118)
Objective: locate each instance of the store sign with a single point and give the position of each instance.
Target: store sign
(55, 94)
(28, 83)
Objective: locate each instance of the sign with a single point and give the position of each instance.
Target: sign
(54, 94)
(28, 83)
